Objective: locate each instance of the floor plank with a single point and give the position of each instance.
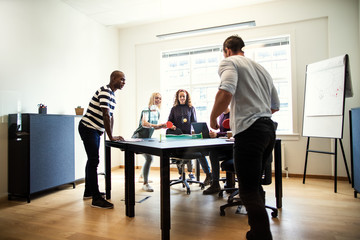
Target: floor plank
(310, 211)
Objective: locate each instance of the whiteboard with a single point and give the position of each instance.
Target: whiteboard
(326, 84)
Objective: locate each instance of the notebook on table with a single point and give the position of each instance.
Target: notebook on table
(201, 127)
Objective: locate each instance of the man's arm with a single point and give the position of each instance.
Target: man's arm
(275, 102)
(112, 123)
(108, 124)
(222, 101)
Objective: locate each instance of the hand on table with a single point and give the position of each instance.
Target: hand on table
(212, 134)
(117, 138)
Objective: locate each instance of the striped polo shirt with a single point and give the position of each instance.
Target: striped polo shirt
(103, 98)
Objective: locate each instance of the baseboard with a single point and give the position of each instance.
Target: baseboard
(339, 178)
(3, 198)
(293, 175)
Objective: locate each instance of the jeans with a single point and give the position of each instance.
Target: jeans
(204, 164)
(202, 160)
(146, 167)
(91, 140)
(215, 157)
(251, 150)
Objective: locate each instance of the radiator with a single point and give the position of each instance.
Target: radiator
(284, 167)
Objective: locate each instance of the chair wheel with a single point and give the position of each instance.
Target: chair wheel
(202, 186)
(274, 214)
(188, 191)
(221, 194)
(222, 212)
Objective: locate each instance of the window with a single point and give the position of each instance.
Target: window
(274, 55)
(196, 71)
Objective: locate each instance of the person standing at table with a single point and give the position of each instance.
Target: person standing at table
(148, 123)
(218, 155)
(250, 89)
(98, 119)
(182, 114)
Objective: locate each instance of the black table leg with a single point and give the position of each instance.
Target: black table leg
(197, 173)
(108, 172)
(165, 197)
(129, 183)
(278, 173)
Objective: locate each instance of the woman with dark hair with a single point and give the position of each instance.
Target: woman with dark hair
(182, 114)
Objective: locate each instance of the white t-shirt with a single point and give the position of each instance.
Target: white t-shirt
(254, 94)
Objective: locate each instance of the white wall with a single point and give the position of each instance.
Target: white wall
(51, 54)
(319, 30)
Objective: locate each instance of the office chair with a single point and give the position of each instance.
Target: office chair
(229, 180)
(184, 158)
(228, 166)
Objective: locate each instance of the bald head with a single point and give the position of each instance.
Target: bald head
(117, 80)
(115, 74)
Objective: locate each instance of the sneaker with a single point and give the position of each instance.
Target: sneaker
(214, 188)
(101, 203)
(89, 196)
(191, 176)
(141, 180)
(147, 188)
(208, 179)
(251, 236)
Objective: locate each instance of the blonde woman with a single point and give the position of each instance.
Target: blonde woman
(149, 121)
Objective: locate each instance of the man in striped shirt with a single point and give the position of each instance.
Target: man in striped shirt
(97, 120)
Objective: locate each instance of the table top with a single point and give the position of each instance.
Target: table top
(155, 147)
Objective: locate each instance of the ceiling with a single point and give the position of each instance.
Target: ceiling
(128, 13)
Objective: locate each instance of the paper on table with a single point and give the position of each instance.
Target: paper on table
(134, 140)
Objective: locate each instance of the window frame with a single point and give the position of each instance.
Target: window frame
(190, 86)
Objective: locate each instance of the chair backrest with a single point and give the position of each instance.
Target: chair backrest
(189, 156)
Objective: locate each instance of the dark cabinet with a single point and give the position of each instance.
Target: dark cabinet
(40, 153)
(355, 148)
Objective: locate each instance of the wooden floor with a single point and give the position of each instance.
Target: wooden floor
(310, 211)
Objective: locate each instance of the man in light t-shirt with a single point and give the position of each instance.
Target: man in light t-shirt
(249, 89)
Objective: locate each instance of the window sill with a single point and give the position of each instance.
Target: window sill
(288, 136)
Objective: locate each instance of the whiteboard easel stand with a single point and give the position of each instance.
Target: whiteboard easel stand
(327, 84)
(335, 163)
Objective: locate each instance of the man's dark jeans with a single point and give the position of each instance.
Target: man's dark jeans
(91, 140)
(251, 150)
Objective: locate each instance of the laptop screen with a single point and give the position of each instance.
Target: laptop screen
(201, 127)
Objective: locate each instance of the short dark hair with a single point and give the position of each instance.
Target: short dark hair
(114, 74)
(234, 43)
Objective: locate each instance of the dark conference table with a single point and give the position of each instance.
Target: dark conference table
(165, 150)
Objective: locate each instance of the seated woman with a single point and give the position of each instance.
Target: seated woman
(218, 155)
(182, 114)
